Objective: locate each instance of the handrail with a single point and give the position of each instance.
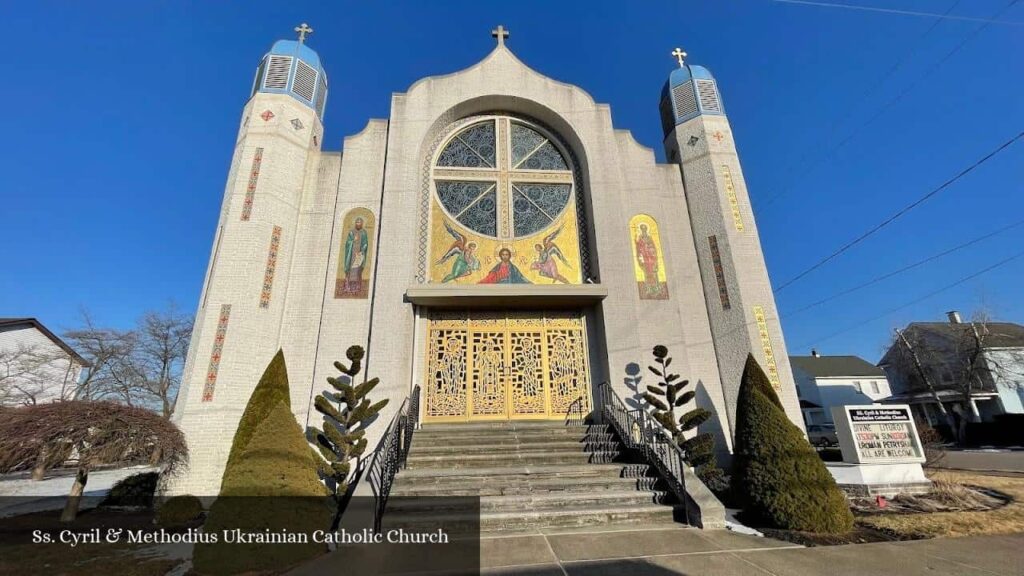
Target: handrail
(391, 453)
(639, 431)
(576, 414)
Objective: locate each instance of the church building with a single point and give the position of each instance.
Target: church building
(496, 241)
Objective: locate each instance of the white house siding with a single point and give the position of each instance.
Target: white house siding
(48, 381)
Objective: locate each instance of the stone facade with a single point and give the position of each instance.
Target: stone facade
(301, 196)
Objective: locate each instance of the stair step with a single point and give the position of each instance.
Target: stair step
(523, 428)
(524, 457)
(421, 440)
(509, 471)
(511, 486)
(441, 449)
(495, 521)
(535, 502)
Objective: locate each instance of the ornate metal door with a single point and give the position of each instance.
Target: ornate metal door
(516, 366)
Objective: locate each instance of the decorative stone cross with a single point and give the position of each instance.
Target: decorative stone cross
(501, 33)
(680, 55)
(303, 30)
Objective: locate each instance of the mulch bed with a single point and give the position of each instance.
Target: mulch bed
(859, 535)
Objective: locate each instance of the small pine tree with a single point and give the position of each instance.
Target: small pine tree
(271, 389)
(343, 436)
(273, 486)
(665, 396)
(776, 472)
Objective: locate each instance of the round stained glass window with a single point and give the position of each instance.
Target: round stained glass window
(503, 177)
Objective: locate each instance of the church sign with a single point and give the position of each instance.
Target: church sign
(877, 434)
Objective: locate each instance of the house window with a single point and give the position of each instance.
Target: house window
(856, 384)
(874, 387)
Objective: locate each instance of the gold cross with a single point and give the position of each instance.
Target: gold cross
(501, 33)
(680, 55)
(303, 29)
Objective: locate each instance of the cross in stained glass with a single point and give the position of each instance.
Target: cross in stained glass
(503, 178)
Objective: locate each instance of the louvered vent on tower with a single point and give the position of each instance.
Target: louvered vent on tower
(709, 101)
(277, 72)
(305, 81)
(686, 104)
(258, 82)
(321, 97)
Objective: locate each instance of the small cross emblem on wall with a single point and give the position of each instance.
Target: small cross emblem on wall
(297, 124)
(718, 136)
(267, 115)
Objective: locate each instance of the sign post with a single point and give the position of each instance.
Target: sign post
(882, 452)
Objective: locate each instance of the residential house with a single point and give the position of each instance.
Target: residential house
(826, 381)
(36, 366)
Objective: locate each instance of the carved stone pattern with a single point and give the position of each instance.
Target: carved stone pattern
(716, 261)
(250, 190)
(215, 354)
(268, 273)
(766, 347)
(730, 194)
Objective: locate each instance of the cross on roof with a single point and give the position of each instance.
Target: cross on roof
(501, 33)
(303, 29)
(680, 55)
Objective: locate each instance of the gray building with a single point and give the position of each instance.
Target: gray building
(976, 369)
(496, 240)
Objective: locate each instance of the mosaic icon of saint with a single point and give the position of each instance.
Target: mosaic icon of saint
(464, 253)
(545, 263)
(505, 272)
(647, 256)
(356, 245)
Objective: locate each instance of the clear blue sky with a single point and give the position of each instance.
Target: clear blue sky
(119, 120)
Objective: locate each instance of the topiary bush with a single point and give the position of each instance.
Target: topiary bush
(271, 389)
(781, 480)
(273, 486)
(134, 490)
(179, 511)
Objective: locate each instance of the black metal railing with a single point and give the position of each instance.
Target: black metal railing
(576, 414)
(640, 432)
(391, 453)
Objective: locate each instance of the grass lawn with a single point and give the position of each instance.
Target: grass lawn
(1003, 520)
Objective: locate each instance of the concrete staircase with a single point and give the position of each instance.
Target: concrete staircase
(529, 475)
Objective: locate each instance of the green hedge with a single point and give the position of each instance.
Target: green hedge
(134, 490)
(778, 475)
(179, 511)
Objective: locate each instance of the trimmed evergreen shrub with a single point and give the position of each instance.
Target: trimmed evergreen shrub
(271, 389)
(134, 490)
(179, 511)
(667, 395)
(778, 475)
(272, 486)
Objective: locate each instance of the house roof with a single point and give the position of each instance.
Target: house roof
(46, 332)
(1000, 334)
(836, 366)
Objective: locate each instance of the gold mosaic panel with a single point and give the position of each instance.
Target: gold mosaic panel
(766, 347)
(730, 194)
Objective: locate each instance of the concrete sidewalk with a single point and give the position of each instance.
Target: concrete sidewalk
(694, 552)
(984, 460)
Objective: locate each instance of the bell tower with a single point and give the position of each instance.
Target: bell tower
(238, 323)
(737, 290)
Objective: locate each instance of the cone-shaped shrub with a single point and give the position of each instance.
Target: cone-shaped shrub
(272, 486)
(778, 474)
(271, 389)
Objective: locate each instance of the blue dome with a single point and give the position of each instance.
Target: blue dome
(688, 71)
(690, 91)
(292, 68)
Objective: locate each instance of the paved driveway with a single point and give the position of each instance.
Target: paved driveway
(696, 552)
(999, 460)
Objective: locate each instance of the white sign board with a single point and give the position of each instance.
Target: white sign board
(877, 434)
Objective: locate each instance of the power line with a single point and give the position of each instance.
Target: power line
(1002, 262)
(900, 213)
(878, 113)
(945, 16)
(901, 270)
(834, 125)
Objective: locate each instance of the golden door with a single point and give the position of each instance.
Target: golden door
(507, 366)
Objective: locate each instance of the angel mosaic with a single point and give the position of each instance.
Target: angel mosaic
(547, 252)
(464, 253)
